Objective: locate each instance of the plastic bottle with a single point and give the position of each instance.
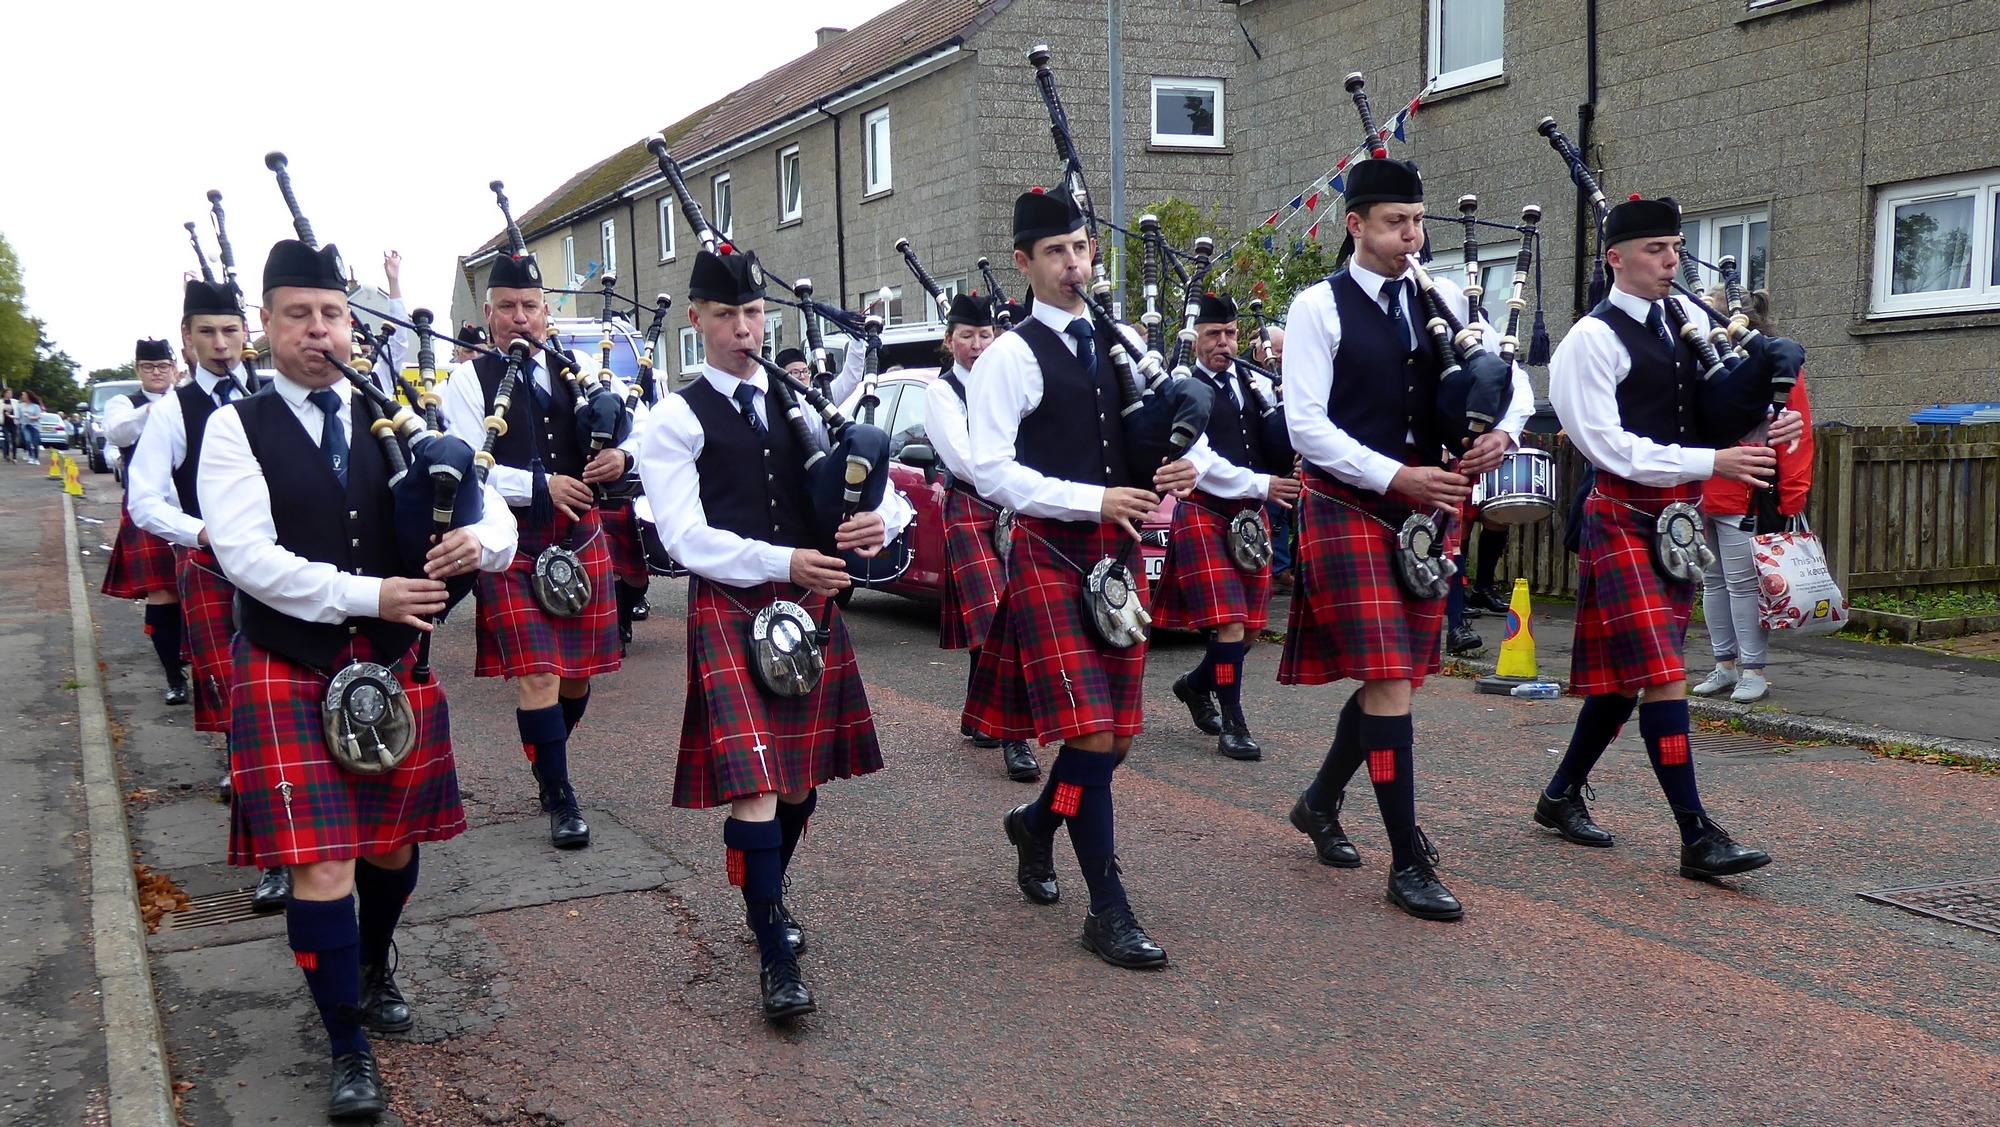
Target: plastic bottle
(1537, 690)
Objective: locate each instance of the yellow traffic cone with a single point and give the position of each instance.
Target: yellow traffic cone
(1517, 649)
(72, 480)
(55, 466)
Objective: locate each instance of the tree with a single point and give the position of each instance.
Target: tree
(53, 376)
(107, 375)
(1249, 269)
(19, 333)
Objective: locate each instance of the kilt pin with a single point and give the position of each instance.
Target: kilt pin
(1631, 621)
(1042, 674)
(209, 612)
(621, 540)
(738, 741)
(141, 563)
(515, 637)
(974, 576)
(294, 805)
(1350, 619)
(1200, 586)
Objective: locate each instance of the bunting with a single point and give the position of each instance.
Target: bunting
(1335, 179)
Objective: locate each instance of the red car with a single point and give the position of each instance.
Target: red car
(902, 400)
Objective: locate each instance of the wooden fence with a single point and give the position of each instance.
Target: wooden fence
(1899, 508)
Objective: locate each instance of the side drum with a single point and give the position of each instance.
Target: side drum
(1520, 490)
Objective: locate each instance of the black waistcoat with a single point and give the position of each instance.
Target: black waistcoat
(1232, 428)
(530, 434)
(768, 503)
(1073, 434)
(196, 406)
(1656, 398)
(1383, 390)
(354, 529)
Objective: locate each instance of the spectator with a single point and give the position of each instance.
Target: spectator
(1734, 518)
(7, 431)
(30, 415)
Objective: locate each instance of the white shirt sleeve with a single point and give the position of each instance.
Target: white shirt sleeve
(850, 370)
(672, 442)
(464, 408)
(1584, 375)
(1312, 338)
(944, 422)
(1006, 386)
(123, 419)
(150, 495)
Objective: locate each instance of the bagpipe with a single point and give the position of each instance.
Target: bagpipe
(1003, 317)
(227, 256)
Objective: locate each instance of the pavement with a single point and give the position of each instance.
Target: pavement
(617, 984)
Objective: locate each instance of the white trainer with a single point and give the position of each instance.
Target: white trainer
(1750, 686)
(1720, 678)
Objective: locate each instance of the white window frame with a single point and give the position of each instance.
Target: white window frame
(1449, 262)
(774, 331)
(1185, 140)
(667, 228)
(788, 210)
(694, 351)
(724, 218)
(898, 312)
(878, 160)
(569, 262)
(1709, 223)
(1445, 80)
(1983, 293)
(607, 242)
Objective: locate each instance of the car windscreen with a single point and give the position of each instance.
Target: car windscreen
(105, 392)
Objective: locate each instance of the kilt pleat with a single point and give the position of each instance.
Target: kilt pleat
(515, 637)
(294, 805)
(738, 741)
(1631, 621)
(1042, 675)
(208, 615)
(1349, 618)
(974, 577)
(621, 540)
(141, 563)
(1200, 586)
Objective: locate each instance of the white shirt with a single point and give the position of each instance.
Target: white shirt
(1584, 374)
(236, 501)
(850, 370)
(1312, 340)
(124, 419)
(464, 412)
(1222, 477)
(944, 422)
(667, 453)
(150, 494)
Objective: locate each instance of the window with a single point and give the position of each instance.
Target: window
(907, 423)
(1187, 111)
(774, 331)
(1937, 245)
(607, 237)
(885, 404)
(1745, 235)
(791, 196)
(666, 228)
(693, 352)
(1465, 41)
(1496, 277)
(569, 262)
(875, 140)
(724, 216)
(894, 314)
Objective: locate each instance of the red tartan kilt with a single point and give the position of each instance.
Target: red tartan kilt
(621, 540)
(1042, 675)
(331, 814)
(738, 741)
(515, 637)
(141, 563)
(1631, 621)
(208, 614)
(1200, 586)
(1350, 619)
(973, 574)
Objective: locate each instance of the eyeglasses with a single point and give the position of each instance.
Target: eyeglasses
(156, 366)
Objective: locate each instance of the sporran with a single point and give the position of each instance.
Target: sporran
(785, 650)
(367, 720)
(1249, 542)
(561, 584)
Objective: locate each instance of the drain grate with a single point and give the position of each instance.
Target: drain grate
(1731, 743)
(1972, 903)
(212, 910)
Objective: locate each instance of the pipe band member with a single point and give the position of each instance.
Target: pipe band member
(142, 565)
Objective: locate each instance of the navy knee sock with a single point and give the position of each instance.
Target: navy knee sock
(1664, 726)
(1454, 598)
(163, 626)
(545, 737)
(755, 867)
(1202, 677)
(325, 940)
(572, 711)
(1225, 675)
(1492, 545)
(382, 893)
(1342, 759)
(792, 819)
(1392, 768)
(1602, 718)
(1061, 794)
(1092, 828)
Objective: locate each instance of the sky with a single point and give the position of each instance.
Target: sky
(121, 116)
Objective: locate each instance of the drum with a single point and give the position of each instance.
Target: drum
(1520, 490)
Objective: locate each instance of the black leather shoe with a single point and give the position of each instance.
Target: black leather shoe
(1235, 741)
(225, 793)
(965, 731)
(1569, 817)
(177, 693)
(641, 610)
(624, 630)
(1486, 598)
(567, 829)
(795, 935)
(355, 1089)
(1416, 889)
(1463, 641)
(1019, 760)
(1329, 840)
(785, 993)
(1116, 937)
(273, 889)
(1201, 706)
(1035, 870)
(1716, 854)
(383, 1009)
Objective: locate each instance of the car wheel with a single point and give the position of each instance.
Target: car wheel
(97, 462)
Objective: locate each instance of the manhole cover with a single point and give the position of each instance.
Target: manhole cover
(212, 910)
(1972, 903)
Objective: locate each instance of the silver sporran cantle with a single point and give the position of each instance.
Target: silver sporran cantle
(367, 720)
(561, 584)
(785, 655)
(1112, 598)
(1003, 534)
(1249, 542)
(1680, 549)
(1418, 558)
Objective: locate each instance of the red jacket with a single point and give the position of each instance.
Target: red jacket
(1720, 498)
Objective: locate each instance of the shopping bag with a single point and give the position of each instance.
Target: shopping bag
(1795, 588)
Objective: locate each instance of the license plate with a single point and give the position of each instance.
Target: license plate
(1155, 565)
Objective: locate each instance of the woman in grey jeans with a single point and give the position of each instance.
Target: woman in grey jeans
(1729, 589)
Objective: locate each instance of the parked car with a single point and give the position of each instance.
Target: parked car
(55, 432)
(93, 425)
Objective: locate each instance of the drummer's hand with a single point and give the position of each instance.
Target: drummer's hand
(818, 572)
(410, 602)
(1176, 477)
(864, 534)
(1441, 489)
(610, 464)
(1485, 453)
(1285, 491)
(1125, 507)
(1752, 465)
(1787, 429)
(457, 554)
(570, 495)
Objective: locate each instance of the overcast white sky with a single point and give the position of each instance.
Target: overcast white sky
(118, 118)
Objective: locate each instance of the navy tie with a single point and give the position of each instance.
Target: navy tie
(1393, 293)
(332, 436)
(1657, 321)
(541, 394)
(223, 390)
(746, 398)
(1086, 344)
